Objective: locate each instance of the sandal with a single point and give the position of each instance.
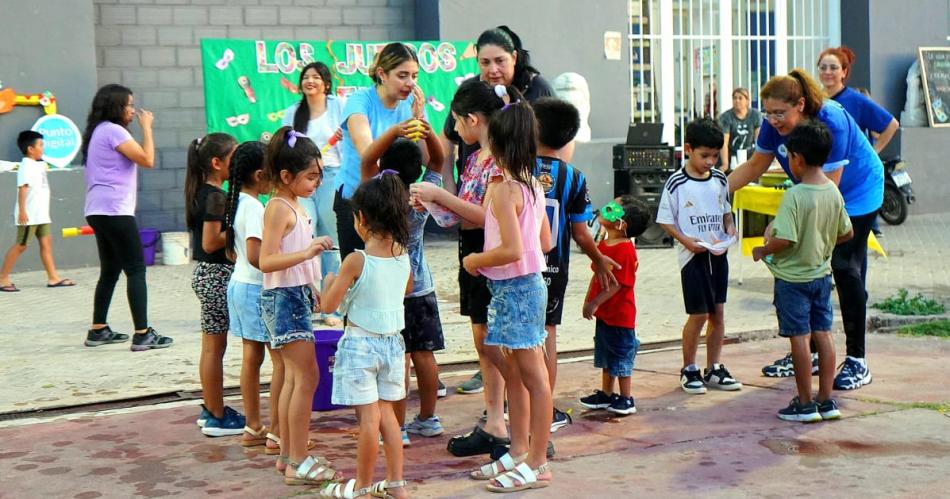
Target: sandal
(497, 467)
(258, 437)
(273, 451)
(379, 489)
(9, 288)
(285, 460)
(343, 490)
(520, 478)
(310, 472)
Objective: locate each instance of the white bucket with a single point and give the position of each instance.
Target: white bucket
(176, 248)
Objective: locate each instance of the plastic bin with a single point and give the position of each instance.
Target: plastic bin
(324, 345)
(150, 238)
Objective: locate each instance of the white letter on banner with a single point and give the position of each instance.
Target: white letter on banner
(262, 65)
(446, 54)
(286, 57)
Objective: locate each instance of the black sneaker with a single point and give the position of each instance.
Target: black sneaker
(560, 419)
(783, 368)
(829, 409)
(622, 405)
(150, 339)
(803, 413)
(692, 381)
(596, 400)
(441, 391)
(719, 377)
(96, 337)
(477, 441)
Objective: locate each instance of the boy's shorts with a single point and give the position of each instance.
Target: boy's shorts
(615, 349)
(286, 313)
(423, 332)
(474, 295)
(210, 283)
(803, 307)
(369, 367)
(516, 312)
(705, 279)
(23, 232)
(557, 287)
(244, 310)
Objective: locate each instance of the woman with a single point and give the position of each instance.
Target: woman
(110, 155)
(740, 126)
(368, 113)
(318, 115)
(855, 167)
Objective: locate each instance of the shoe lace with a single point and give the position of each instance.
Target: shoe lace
(847, 367)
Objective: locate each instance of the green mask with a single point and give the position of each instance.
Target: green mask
(612, 212)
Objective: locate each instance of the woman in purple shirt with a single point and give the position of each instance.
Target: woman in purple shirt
(110, 155)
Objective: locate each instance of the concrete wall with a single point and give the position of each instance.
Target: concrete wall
(925, 151)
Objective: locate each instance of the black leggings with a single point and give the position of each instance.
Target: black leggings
(120, 250)
(849, 268)
(349, 239)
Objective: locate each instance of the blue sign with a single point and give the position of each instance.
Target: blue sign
(61, 139)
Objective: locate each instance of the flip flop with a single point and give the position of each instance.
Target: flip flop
(10, 288)
(64, 283)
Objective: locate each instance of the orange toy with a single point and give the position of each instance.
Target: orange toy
(85, 230)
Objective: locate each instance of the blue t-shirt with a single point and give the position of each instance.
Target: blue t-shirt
(869, 116)
(862, 181)
(421, 275)
(366, 102)
(567, 201)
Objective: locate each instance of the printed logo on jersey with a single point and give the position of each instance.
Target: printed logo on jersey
(547, 182)
(689, 204)
(783, 151)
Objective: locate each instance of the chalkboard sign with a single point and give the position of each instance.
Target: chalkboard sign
(935, 76)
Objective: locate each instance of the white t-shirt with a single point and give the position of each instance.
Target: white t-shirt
(696, 207)
(320, 130)
(248, 223)
(33, 174)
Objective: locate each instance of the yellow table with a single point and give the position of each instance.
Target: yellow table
(765, 200)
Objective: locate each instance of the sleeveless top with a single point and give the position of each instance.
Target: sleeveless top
(374, 302)
(532, 258)
(305, 272)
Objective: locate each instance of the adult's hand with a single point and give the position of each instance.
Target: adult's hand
(145, 118)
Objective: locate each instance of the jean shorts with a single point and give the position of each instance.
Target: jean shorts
(803, 307)
(244, 310)
(516, 312)
(615, 349)
(286, 313)
(369, 367)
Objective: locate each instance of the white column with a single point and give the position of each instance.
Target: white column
(834, 23)
(667, 92)
(725, 55)
(781, 37)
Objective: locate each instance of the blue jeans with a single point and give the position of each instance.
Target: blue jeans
(319, 208)
(803, 307)
(615, 349)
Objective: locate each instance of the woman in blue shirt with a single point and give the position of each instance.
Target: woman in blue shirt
(855, 167)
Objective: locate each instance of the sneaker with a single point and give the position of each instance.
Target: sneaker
(484, 417)
(807, 413)
(150, 339)
(596, 400)
(719, 377)
(783, 368)
(204, 416)
(232, 423)
(853, 375)
(475, 442)
(560, 419)
(426, 427)
(96, 337)
(692, 382)
(441, 391)
(829, 409)
(405, 436)
(473, 385)
(622, 405)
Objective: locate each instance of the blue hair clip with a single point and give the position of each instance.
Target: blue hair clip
(385, 172)
(292, 138)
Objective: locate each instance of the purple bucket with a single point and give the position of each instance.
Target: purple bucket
(149, 244)
(324, 345)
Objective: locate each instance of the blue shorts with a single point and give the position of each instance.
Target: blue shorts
(516, 312)
(615, 349)
(369, 367)
(286, 314)
(803, 307)
(244, 311)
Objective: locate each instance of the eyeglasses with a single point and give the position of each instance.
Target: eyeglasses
(829, 67)
(775, 116)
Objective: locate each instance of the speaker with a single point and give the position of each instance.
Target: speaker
(643, 157)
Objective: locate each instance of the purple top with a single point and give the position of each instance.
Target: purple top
(111, 179)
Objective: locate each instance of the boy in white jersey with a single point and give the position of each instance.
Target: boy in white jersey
(695, 210)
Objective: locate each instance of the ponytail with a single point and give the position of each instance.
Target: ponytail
(198, 166)
(797, 85)
(513, 137)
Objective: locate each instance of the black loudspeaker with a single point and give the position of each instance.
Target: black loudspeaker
(642, 171)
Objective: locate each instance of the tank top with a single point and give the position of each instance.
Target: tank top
(297, 239)
(529, 221)
(374, 302)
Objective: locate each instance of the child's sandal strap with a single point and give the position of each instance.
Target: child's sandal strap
(395, 484)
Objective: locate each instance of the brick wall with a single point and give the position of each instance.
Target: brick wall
(152, 46)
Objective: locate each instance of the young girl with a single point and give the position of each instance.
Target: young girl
(209, 158)
(516, 236)
(370, 362)
(288, 261)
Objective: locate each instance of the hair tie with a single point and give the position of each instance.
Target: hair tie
(502, 92)
(292, 138)
(385, 172)
(198, 143)
(515, 103)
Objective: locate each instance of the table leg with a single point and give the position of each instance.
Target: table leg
(739, 233)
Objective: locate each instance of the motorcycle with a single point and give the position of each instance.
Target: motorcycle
(898, 193)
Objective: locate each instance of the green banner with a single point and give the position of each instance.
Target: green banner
(250, 83)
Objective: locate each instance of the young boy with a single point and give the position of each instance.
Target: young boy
(810, 221)
(614, 306)
(694, 209)
(31, 213)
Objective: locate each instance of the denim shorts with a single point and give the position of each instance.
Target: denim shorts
(803, 307)
(244, 310)
(286, 313)
(615, 349)
(369, 367)
(516, 312)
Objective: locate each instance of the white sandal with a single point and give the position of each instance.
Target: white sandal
(520, 478)
(258, 437)
(310, 472)
(343, 490)
(491, 470)
(380, 489)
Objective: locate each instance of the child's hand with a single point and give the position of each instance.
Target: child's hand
(415, 204)
(758, 253)
(424, 191)
(23, 218)
(693, 245)
(468, 264)
(316, 300)
(767, 235)
(731, 230)
(318, 245)
(338, 135)
(589, 310)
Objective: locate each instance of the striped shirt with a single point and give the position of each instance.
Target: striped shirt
(567, 201)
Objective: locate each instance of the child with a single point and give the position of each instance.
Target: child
(31, 216)
(370, 360)
(694, 209)
(810, 221)
(209, 159)
(423, 332)
(615, 339)
(516, 237)
(291, 274)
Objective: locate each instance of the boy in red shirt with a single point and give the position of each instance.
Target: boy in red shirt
(615, 340)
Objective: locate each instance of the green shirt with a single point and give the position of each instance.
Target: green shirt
(812, 217)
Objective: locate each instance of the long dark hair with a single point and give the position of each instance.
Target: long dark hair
(510, 42)
(384, 202)
(476, 96)
(302, 115)
(390, 57)
(200, 153)
(108, 105)
(248, 158)
(279, 155)
(513, 138)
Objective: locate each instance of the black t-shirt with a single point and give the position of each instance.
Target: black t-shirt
(210, 206)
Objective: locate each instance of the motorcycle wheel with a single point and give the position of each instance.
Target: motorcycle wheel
(894, 208)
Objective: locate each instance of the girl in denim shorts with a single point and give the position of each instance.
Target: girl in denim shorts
(289, 262)
(370, 357)
(516, 236)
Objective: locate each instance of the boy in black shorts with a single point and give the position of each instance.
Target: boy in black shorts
(695, 210)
